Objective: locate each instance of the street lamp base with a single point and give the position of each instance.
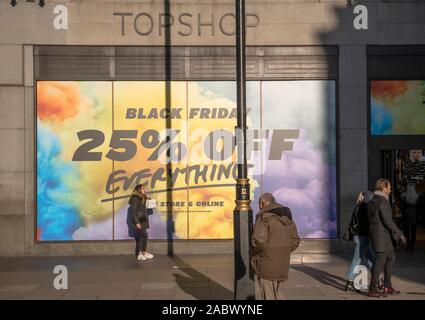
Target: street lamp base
(244, 284)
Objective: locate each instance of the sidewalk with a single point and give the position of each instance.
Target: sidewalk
(186, 277)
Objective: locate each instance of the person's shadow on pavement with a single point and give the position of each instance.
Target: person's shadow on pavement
(324, 277)
(202, 292)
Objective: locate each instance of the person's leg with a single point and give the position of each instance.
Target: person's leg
(413, 225)
(280, 294)
(410, 239)
(363, 250)
(409, 236)
(144, 242)
(268, 289)
(388, 274)
(406, 230)
(355, 261)
(413, 229)
(258, 291)
(377, 268)
(365, 260)
(370, 254)
(389, 263)
(139, 241)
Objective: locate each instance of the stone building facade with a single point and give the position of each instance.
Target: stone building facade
(286, 39)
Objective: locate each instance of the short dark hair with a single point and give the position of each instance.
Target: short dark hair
(381, 184)
(267, 198)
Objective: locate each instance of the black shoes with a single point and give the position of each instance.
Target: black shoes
(350, 285)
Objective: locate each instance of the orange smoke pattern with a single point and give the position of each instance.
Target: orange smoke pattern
(388, 89)
(57, 101)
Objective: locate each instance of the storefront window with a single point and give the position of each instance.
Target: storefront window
(97, 140)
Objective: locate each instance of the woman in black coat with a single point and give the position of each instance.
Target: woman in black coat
(140, 220)
(359, 224)
(410, 207)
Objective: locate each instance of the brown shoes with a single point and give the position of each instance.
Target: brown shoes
(384, 293)
(391, 291)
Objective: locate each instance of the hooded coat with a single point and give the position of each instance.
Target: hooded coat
(138, 210)
(275, 236)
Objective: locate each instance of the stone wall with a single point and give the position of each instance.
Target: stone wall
(92, 22)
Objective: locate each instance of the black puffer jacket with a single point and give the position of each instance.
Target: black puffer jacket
(138, 210)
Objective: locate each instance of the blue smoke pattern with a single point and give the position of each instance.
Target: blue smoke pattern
(57, 219)
(381, 119)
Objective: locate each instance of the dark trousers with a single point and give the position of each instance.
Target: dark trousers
(384, 262)
(410, 228)
(141, 240)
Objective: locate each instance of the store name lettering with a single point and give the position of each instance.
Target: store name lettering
(185, 24)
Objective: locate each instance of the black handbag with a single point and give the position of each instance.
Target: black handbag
(352, 227)
(348, 234)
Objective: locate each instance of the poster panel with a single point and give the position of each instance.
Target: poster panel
(397, 107)
(73, 121)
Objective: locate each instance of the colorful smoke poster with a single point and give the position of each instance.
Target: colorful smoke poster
(69, 193)
(305, 178)
(97, 140)
(397, 107)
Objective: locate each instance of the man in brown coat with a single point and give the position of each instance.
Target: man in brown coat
(275, 236)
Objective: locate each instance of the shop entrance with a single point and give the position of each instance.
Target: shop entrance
(406, 170)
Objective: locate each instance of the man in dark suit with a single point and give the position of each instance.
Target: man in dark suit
(384, 236)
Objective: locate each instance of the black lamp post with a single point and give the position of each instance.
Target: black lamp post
(242, 215)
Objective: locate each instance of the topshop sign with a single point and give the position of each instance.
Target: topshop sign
(185, 24)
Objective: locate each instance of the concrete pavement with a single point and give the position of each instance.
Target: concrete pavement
(184, 277)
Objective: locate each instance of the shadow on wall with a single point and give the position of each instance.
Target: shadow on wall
(408, 266)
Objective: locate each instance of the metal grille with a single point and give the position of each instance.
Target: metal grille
(184, 63)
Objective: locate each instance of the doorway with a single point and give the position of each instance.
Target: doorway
(405, 169)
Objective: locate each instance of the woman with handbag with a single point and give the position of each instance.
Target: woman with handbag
(358, 231)
(140, 219)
